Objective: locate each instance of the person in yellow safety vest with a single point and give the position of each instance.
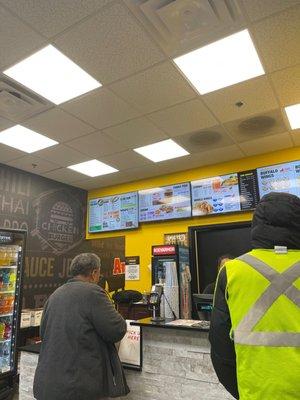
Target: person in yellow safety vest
(255, 324)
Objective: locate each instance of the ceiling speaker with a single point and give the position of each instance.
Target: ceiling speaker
(257, 125)
(205, 138)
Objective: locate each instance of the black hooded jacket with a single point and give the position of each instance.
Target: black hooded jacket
(276, 222)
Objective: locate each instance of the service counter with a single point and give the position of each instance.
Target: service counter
(175, 364)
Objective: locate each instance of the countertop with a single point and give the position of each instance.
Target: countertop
(146, 322)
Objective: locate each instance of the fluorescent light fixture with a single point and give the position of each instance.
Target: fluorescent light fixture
(52, 75)
(293, 114)
(93, 168)
(25, 139)
(223, 63)
(160, 151)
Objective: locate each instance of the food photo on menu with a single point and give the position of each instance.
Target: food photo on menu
(166, 202)
(216, 195)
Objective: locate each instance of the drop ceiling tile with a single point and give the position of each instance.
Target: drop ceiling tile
(135, 133)
(58, 125)
(159, 87)
(258, 9)
(256, 94)
(96, 145)
(182, 164)
(102, 181)
(125, 160)
(5, 123)
(8, 153)
(17, 40)
(266, 124)
(64, 175)
(221, 155)
(205, 140)
(33, 164)
(296, 137)
(146, 171)
(110, 45)
(53, 16)
(267, 144)
(101, 108)
(277, 38)
(287, 85)
(62, 155)
(209, 157)
(186, 117)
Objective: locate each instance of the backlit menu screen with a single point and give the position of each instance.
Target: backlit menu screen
(113, 213)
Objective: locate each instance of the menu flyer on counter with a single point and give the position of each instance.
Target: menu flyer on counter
(113, 212)
(280, 178)
(167, 202)
(226, 193)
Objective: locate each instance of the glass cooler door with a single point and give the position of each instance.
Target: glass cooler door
(11, 260)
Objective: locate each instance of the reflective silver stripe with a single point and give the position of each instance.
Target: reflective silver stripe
(275, 339)
(281, 284)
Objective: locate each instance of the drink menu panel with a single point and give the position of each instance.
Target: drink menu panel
(223, 194)
(167, 202)
(113, 213)
(279, 178)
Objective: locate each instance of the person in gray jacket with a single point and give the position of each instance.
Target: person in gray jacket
(79, 329)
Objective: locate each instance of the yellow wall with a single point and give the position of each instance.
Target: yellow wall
(139, 242)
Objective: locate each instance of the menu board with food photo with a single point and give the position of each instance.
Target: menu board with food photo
(113, 213)
(216, 195)
(280, 178)
(167, 202)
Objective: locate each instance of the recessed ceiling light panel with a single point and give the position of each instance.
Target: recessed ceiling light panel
(93, 168)
(25, 139)
(52, 75)
(161, 151)
(223, 63)
(293, 114)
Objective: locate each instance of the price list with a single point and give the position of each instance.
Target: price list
(248, 188)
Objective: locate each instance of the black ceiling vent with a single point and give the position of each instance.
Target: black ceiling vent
(205, 138)
(257, 125)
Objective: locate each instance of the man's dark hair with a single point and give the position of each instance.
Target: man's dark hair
(84, 264)
(223, 257)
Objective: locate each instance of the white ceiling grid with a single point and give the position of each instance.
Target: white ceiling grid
(145, 98)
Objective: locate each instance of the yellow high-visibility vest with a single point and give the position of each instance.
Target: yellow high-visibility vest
(263, 296)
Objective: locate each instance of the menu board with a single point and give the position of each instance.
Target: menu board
(113, 213)
(248, 187)
(279, 178)
(163, 203)
(226, 193)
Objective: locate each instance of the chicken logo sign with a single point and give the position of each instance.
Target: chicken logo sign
(59, 222)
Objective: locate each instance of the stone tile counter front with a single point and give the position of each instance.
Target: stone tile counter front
(176, 364)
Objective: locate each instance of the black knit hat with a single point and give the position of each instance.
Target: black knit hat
(276, 222)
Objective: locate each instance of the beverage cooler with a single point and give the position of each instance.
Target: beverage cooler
(12, 245)
(171, 268)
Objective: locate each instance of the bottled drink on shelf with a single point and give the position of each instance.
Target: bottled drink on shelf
(4, 255)
(2, 330)
(7, 330)
(8, 255)
(12, 280)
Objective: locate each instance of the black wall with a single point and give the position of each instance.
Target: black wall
(54, 216)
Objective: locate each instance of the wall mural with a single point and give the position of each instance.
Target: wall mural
(53, 214)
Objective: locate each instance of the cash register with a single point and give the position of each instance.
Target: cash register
(203, 304)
